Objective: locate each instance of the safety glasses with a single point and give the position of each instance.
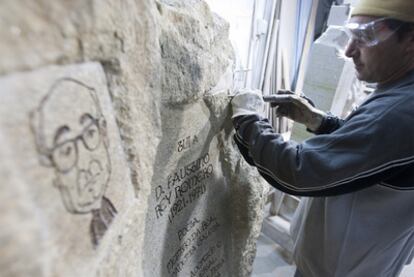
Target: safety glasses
(369, 34)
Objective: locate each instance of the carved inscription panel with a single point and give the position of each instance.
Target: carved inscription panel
(187, 230)
(68, 168)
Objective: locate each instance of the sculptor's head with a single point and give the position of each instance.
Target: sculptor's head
(71, 137)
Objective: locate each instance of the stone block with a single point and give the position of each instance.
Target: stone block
(338, 15)
(172, 196)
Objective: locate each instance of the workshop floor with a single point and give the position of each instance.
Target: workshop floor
(271, 262)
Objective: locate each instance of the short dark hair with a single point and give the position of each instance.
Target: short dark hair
(401, 27)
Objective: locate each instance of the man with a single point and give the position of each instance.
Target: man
(71, 136)
(359, 171)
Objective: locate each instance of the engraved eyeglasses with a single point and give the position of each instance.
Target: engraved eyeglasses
(65, 155)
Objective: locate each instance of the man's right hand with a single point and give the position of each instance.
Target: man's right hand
(299, 109)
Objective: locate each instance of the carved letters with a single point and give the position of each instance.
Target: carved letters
(183, 187)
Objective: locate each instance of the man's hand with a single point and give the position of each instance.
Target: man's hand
(246, 102)
(300, 110)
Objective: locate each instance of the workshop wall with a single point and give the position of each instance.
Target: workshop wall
(116, 144)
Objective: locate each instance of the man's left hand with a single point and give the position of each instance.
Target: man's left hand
(247, 102)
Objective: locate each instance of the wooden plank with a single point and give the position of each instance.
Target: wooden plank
(298, 86)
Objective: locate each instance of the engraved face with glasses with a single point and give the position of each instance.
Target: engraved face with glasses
(73, 140)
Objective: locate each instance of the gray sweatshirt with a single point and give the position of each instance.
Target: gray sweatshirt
(360, 220)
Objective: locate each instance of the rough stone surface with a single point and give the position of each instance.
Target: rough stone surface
(116, 158)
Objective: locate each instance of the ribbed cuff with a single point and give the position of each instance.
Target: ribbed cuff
(329, 124)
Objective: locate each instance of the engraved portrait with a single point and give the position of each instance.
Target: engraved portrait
(71, 139)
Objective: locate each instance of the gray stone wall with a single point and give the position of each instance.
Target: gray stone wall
(116, 160)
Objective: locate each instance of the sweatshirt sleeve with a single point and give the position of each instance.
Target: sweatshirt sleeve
(359, 154)
(329, 124)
